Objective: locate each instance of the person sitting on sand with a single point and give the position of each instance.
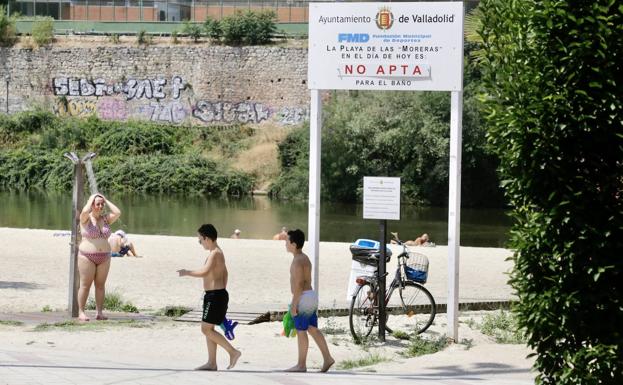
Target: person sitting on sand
(215, 299)
(120, 246)
(304, 304)
(422, 240)
(236, 234)
(282, 235)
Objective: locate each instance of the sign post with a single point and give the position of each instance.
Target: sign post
(391, 46)
(381, 200)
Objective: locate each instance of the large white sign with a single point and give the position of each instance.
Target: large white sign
(381, 198)
(386, 46)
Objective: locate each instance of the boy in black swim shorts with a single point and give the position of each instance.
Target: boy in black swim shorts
(215, 306)
(215, 299)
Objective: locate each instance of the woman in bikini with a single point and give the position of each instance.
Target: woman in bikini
(94, 251)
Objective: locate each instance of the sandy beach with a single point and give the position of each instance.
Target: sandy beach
(34, 271)
(34, 267)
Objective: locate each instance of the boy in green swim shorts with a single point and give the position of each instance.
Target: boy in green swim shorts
(304, 305)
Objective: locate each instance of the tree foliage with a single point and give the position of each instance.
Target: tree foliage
(553, 101)
(403, 134)
(8, 32)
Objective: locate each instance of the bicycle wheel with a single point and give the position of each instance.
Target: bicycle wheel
(362, 313)
(412, 310)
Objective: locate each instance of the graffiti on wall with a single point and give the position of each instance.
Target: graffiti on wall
(245, 112)
(226, 112)
(291, 115)
(169, 112)
(75, 107)
(111, 109)
(158, 88)
(159, 100)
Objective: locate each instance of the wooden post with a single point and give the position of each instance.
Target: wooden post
(76, 208)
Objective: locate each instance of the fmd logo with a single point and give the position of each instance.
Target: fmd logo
(353, 37)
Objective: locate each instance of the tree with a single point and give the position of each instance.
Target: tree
(553, 103)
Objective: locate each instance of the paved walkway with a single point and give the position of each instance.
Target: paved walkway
(34, 366)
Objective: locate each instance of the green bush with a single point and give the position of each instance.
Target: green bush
(114, 38)
(213, 29)
(132, 156)
(260, 26)
(26, 169)
(229, 140)
(18, 128)
(185, 174)
(293, 182)
(138, 139)
(554, 113)
(8, 31)
(43, 31)
(193, 30)
(188, 174)
(248, 27)
(233, 28)
(142, 38)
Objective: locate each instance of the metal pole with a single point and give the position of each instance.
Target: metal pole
(454, 203)
(90, 174)
(454, 214)
(381, 272)
(313, 215)
(74, 278)
(7, 78)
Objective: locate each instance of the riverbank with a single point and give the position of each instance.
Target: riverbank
(34, 271)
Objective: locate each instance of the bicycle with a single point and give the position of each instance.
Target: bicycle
(413, 307)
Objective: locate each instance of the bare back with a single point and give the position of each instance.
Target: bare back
(216, 277)
(300, 273)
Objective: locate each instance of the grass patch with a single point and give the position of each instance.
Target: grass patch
(419, 346)
(503, 327)
(371, 359)
(113, 301)
(467, 342)
(46, 309)
(399, 334)
(97, 325)
(11, 323)
(173, 311)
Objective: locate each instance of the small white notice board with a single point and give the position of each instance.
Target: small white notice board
(381, 198)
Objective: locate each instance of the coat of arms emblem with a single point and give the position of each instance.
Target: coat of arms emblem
(384, 18)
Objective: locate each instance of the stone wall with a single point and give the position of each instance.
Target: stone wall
(174, 84)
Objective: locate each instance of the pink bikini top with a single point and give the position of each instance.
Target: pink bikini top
(91, 231)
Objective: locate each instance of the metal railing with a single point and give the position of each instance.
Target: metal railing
(155, 11)
(288, 11)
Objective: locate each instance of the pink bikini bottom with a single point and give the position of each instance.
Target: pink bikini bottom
(97, 257)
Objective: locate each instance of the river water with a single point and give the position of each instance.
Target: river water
(256, 217)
